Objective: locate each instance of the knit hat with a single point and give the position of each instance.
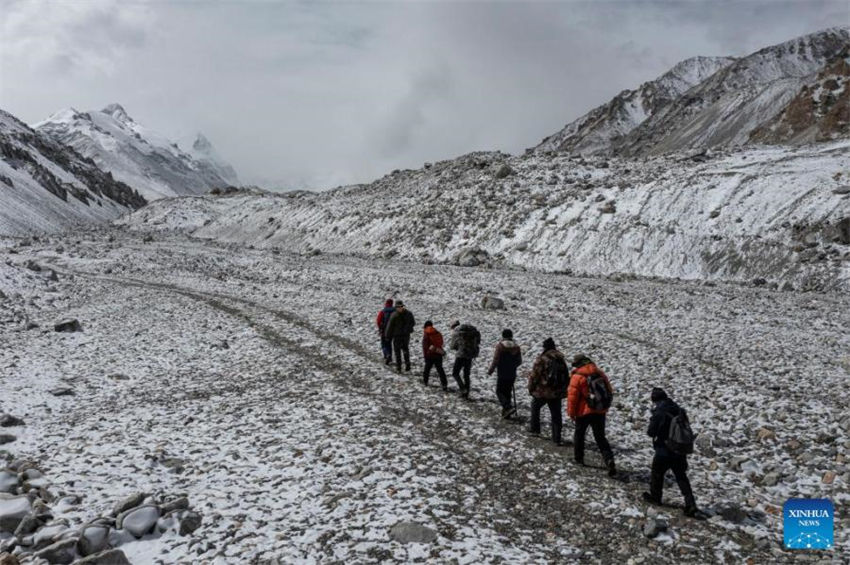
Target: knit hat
(389, 302)
(399, 304)
(428, 324)
(658, 394)
(581, 359)
(548, 344)
(454, 324)
(507, 334)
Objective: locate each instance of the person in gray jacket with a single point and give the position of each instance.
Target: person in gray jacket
(465, 342)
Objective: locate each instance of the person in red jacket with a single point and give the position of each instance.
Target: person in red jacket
(587, 404)
(432, 350)
(381, 321)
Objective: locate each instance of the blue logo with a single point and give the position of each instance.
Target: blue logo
(808, 523)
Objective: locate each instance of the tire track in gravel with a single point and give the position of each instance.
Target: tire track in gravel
(547, 516)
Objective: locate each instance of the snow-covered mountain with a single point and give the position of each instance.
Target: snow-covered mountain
(598, 130)
(145, 160)
(782, 215)
(46, 186)
(721, 108)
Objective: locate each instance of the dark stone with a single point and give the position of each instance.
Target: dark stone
(69, 325)
(108, 557)
(7, 420)
(62, 552)
(411, 532)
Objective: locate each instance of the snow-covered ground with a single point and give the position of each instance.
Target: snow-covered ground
(250, 381)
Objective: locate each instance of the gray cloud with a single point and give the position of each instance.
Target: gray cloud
(321, 94)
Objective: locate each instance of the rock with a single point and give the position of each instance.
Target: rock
(131, 501)
(61, 391)
(138, 521)
(765, 434)
(654, 526)
(94, 538)
(608, 208)
(703, 443)
(8, 481)
(28, 525)
(793, 445)
(842, 229)
(492, 303)
(119, 377)
(7, 438)
(13, 509)
(8, 559)
(63, 552)
(732, 512)
(32, 266)
(504, 171)
(472, 257)
(189, 522)
(108, 557)
(411, 532)
(68, 325)
(7, 420)
(181, 503)
(759, 281)
(770, 479)
(842, 189)
(828, 477)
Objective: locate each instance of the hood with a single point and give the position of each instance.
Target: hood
(509, 344)
(430, 330)
(586, 370)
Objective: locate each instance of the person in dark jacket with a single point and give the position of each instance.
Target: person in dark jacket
(584, 415)
(381, 321)
(465, 342)
(663, 412)
(506, 359)
(398, 329)
(432, 351)
(545, 393)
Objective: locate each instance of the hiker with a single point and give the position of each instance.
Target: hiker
(589, 396)
(547, 384)
(506, 358)
(398, 330)
(382, 320)
(465, 342)
(433, 352)
(669, 455)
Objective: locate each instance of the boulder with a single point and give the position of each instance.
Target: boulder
(62, 552)
(608, 208)
(7, 421)
(842, 189)
(504, 171)
(127, 503)
(68, 325)
(94, 538)
(8, 481)
(654, 526)
(472, 257)
(189, 522)
(6, 438)
(13, 509)
(28, 525)
(61, 391)
(180, 503)
(411, 532)
(492, 303)
(8, 559)
(138, 521)
(765, 434)
(108, 557)
(732, 512)
(770, 479)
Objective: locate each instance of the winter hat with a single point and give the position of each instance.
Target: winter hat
(581, 359)
(428, 324)
(507, 334)
(399, 304)
(548, 344)
(389, 302)
(658, 394)
(454, 324)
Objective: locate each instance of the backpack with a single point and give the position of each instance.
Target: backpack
(598, 395)
(385, 319)
(557, 375)
(680, 437)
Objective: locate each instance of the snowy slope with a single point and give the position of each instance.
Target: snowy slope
(143, 159)
(780, 214)
(212, 165)
(46, 186)
(599, 129)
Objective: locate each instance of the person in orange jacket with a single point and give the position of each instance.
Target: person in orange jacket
(433, 352)
(588, 398)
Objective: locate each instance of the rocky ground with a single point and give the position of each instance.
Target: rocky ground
(245, 387)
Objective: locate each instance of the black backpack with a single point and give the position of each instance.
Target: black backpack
(557, 374)
(388, 312)
(680, 437)
(599, 397)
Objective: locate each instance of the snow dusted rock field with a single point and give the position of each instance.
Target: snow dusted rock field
(249, 381)
(779, 217)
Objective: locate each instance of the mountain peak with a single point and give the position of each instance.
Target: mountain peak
(201, 144)
(118, 112)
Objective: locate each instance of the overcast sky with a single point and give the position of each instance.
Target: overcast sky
(322, 94)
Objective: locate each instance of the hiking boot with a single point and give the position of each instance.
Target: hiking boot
(398, 369)
(533, 433)
(387, 360)
(612, 468)
(651, 499)
(407, 368)
(508, 412)
(445, 389)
